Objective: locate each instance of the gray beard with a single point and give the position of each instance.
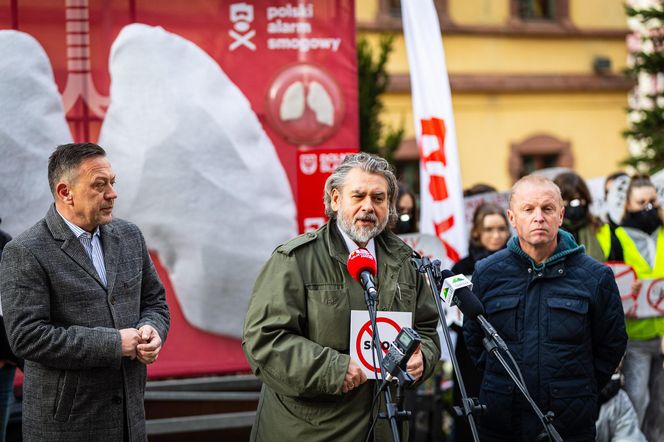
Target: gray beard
(360, 234)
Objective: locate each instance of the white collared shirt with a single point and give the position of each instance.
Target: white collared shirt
(352, 245)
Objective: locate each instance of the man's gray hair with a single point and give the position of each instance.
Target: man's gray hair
(66, 158)
(368, 163)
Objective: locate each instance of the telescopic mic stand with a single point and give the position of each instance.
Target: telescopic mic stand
(493, 343)
(471, 407)
(456, 292)
(392, 412)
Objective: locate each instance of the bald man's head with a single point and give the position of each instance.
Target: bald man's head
(534, 181)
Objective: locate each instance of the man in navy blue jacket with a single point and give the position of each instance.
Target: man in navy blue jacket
(559, 312)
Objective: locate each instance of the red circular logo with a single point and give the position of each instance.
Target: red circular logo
(366, 328)
(305, 105)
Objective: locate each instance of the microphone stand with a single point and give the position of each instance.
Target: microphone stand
(471, 406)
(370, 297)
(493, 343)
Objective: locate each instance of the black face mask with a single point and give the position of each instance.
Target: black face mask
(405, 224)
(645, 220)
(575, 217)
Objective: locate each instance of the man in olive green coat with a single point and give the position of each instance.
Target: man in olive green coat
(297, 329)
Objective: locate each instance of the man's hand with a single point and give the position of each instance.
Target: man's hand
(130, 339)
(354, 377)
(415, 366)
(150, 346)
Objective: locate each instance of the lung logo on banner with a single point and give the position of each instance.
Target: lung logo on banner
(305, 105)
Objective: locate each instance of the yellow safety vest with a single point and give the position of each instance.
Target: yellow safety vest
(638, 329)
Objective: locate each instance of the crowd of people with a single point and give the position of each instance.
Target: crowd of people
(631, 400)
(85, 311)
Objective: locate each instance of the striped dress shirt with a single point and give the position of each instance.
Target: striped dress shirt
(92, 244)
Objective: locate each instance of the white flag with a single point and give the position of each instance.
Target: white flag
(440, 178)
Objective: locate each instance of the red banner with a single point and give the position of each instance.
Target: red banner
(294, 61)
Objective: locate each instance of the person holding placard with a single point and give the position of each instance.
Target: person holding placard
(297, 331)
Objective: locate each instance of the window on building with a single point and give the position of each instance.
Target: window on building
(393, 8)
(389, 12)
(540, 12)
(537, 152)
(531, 163)
(537, 9)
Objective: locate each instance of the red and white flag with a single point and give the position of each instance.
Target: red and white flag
(440, 178)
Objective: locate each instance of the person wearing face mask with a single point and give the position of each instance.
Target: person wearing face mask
(489, 234)
(642, 239)
(577, 217)
(406, 211)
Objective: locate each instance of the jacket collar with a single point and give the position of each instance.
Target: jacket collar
(73, 248)
(566, 246)
(391, 254)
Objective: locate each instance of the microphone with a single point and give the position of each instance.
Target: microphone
(456, 292)
(362, 267)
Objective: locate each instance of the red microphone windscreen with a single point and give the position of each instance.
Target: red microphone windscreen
(360, 260)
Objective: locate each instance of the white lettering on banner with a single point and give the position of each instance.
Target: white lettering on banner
(281, 27)
(298, 29)
(649, 302)
(308, 163)
(330, 161)
(304, 44)
(242, 15)
(290, 11)
(361, 336)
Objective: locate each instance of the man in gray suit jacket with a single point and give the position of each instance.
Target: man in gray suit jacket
(84, 307)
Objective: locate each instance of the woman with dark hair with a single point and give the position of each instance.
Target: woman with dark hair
(577, 219)
(489, 234)
(406, 211)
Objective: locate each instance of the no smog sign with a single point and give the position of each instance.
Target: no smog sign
(361, 336)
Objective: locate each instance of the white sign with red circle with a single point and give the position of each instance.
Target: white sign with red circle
(648, 303)
(361, 336)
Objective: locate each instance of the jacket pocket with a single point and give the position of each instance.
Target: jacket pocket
(574, 405)
(65, 395)
(567, 319)
(502, 312)
(496, 393)
(328, 317)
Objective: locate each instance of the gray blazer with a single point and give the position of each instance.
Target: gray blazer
(64, 323)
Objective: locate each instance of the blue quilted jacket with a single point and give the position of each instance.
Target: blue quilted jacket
(564, 324)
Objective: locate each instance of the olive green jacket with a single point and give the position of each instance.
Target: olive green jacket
(296, 335)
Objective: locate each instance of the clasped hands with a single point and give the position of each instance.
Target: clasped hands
(143, 344)
(355, 375)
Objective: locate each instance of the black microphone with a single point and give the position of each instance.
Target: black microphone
(466, 301)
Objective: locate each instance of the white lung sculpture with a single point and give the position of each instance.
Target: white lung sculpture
(195, 171)
(32, 123)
